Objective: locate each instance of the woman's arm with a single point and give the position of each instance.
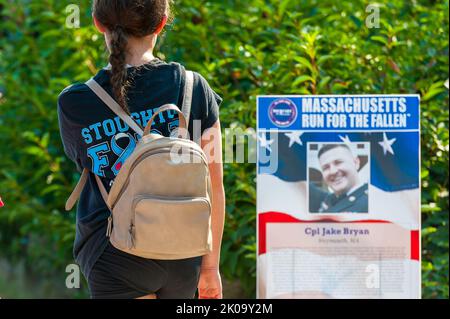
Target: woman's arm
(210, 284)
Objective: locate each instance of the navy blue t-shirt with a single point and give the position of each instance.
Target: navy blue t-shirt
(94, 137)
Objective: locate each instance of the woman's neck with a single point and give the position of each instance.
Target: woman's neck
(139, 50)
(139, 59)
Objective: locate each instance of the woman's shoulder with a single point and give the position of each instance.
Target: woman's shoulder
(73, 96)
(72, 91)
(203, 87)
(179, 68)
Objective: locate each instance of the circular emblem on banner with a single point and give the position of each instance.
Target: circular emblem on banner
(282, 112)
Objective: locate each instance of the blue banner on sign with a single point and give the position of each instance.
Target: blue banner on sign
(339, 112)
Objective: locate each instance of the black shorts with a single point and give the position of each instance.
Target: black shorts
(117, 274)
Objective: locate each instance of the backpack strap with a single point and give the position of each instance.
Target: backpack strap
(77, 190)
(182, 123)
(102, 190)
(187, 96)
(115, 107)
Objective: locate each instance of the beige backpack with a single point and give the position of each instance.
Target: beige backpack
(160, 202)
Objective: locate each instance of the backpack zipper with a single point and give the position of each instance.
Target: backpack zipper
(130, 239)
(140, 159)
(178, 199)
(109, 228)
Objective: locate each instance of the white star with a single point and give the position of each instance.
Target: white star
(345, 139)
(294, 137)
(386, 144)
(265, 143)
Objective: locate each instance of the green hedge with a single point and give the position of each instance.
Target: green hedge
(243, 48)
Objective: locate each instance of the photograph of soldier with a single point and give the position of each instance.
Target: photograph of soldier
(335, 181)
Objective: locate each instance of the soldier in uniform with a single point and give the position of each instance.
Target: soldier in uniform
(340, 172)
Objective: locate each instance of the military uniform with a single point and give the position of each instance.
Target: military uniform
(316, 196)
(355, 202)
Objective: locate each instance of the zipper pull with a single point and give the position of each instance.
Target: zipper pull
(109, 228)
(131, 237)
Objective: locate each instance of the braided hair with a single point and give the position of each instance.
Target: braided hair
(125, 19)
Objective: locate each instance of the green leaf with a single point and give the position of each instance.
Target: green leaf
(379, 39)
(301, 79)
(434, 90)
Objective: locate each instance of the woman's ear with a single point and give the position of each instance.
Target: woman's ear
(161, 25)
(100, 27)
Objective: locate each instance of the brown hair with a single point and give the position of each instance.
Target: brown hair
(328, 147)
(124, 18)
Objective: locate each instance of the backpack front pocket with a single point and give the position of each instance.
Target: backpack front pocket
(170, 227)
